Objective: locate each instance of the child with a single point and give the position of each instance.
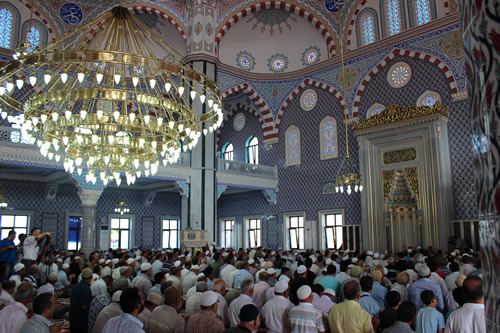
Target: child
(429, 319)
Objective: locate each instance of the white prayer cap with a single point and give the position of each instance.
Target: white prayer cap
(60, 260)
(345, 258)
(422, 270)
(101, 261)
(271, 271)
(281, 286)
(329, 291)
(420, 259)
(313, 258)
(115, 261)
(453, 254)
(76, 258)
(137, 258)
(354, 260)
(18, 267)
(177, 263)
(251, 261)
(208, 298)
(130, 260)
(410, 250)
(301, 269)
(376, 255)
(195, 267)
(386, 271)
(116, 296)
(65, 266)
(145, 266)
(284, 278)
(155, 298)
(122, 269)
(107, 261)
(370, 253)
(328, 261)
(304, 292)
(201, 274)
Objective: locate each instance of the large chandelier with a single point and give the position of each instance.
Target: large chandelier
(110, 98)
(122, 205)
(348, 177)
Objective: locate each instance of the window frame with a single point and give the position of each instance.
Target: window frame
(384, 21)
(67, 228)
(322, 218)
(16, 22)
(359, 28)
(287, 224)
(248, 146)
(412, 12)
(322, 138)
(223, 231)
(30, 217)
(231, 152)
(247, 221)
(131, 217)
(287, 146)
(170, 219)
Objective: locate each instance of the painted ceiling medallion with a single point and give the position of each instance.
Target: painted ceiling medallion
(453, 45)
(311, 55)
(277, 63)
(351, 76)
(308, 100)
(239, 121)
(71, 13)
(245, 61)
(272, 18)
(399, 75)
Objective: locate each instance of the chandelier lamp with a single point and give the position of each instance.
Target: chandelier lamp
(3, 199)
(122, 205)
(348, 177)
(110, 99)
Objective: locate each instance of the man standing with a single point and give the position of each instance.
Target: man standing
(7, 256)
(242, 300)
(81, 298)
(275, 312)
(132, 303)
(165, 318)
(13, 317)
(259, 293)
(206, 320)
(470, 318)
(30, 246)
(143, 280)
(417, 287)
(305, 317)
(43, 307)
(248, 320)
(108, 312)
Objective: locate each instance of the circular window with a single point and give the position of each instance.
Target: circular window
(308, 100)
(277, 63)
(245, 61)
(239, 121)
(429, 101)
(311, 56)
(399, 75)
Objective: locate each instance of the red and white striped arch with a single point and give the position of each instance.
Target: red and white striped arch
(49, 25)
(406, 53)
(283, 5)
(266, 118)
(232, 111)
(297, 90)
(159, 13)
(352, 24)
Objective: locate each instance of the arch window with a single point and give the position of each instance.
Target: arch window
(252, 150)
(367, 27)
(6, 25)
(428, 98)
(35, 33)
(421, 11)
(393, 17)
(292, 146)
(328, 135)
(34, 38)
(227, 151)
(374, 109)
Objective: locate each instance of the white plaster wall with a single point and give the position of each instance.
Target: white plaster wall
(262, 45)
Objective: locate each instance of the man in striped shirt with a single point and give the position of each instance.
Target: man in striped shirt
(305, 317)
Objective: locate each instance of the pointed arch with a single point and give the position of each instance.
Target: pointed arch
(428, 98)
(366, 15)
(11, 21)
(232, 111)
(374, 109)
(293, 154)
(419, 55)
(328, 138)
(322, 26)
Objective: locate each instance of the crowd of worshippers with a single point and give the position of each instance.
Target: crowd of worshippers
(227, 290)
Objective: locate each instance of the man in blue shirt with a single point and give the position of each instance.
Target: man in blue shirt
(7, 256)
(329, 281)
(417, 287)
(366, 301)
(429, 319)
(378, 291)
(243, 274)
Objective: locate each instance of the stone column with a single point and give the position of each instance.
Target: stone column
(481, 32)
(89, 224)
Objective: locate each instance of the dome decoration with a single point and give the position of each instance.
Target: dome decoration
(311, 56)
(245, 61)
(277, 63)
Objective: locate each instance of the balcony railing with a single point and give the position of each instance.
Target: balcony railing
(252, 170)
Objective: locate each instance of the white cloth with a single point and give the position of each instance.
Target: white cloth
(106, 270)
(144, 317)
(156, 267)
(269, 294)
(125, 323)
(223, 310)
(231, 277)
(115, 274)
(188, 282)
(99, 287)
(13, 317)
(440, 282)
(17, 279)
(30, 248)
(470, 318)
(6, 298)
(413, 276)
(259, 294)
(450, 281)
(275, 314)
(110, 311)
(193, 304)
(466, 269)
(142, 283)
(46, 288)
(341, 277)
(176, 282)
(190, 292)
(235, 307)
(224, 275)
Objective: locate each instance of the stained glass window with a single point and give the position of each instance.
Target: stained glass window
(393, 16)
(292, 146)
(368, 29)
(33, 37)
(6, 23)
(399, 74)
(308, 100)
(429, 101)
(423, 11)
(428, 98)
(329, 144)
(278, 63)
(374, 109)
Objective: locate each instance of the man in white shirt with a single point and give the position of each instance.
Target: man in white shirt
(226, 272)
(193, 302)
(275, 312)
(132, 303)
(175, 277)
(13, 317)
(467, 266)
(143, 280)
(470, 318)
(451, 279)
(30, 246)
(259, 293)
(242, 300)
(190, 280)
(223, 309)
(109, 311)
(7, 289)
(18, 271)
